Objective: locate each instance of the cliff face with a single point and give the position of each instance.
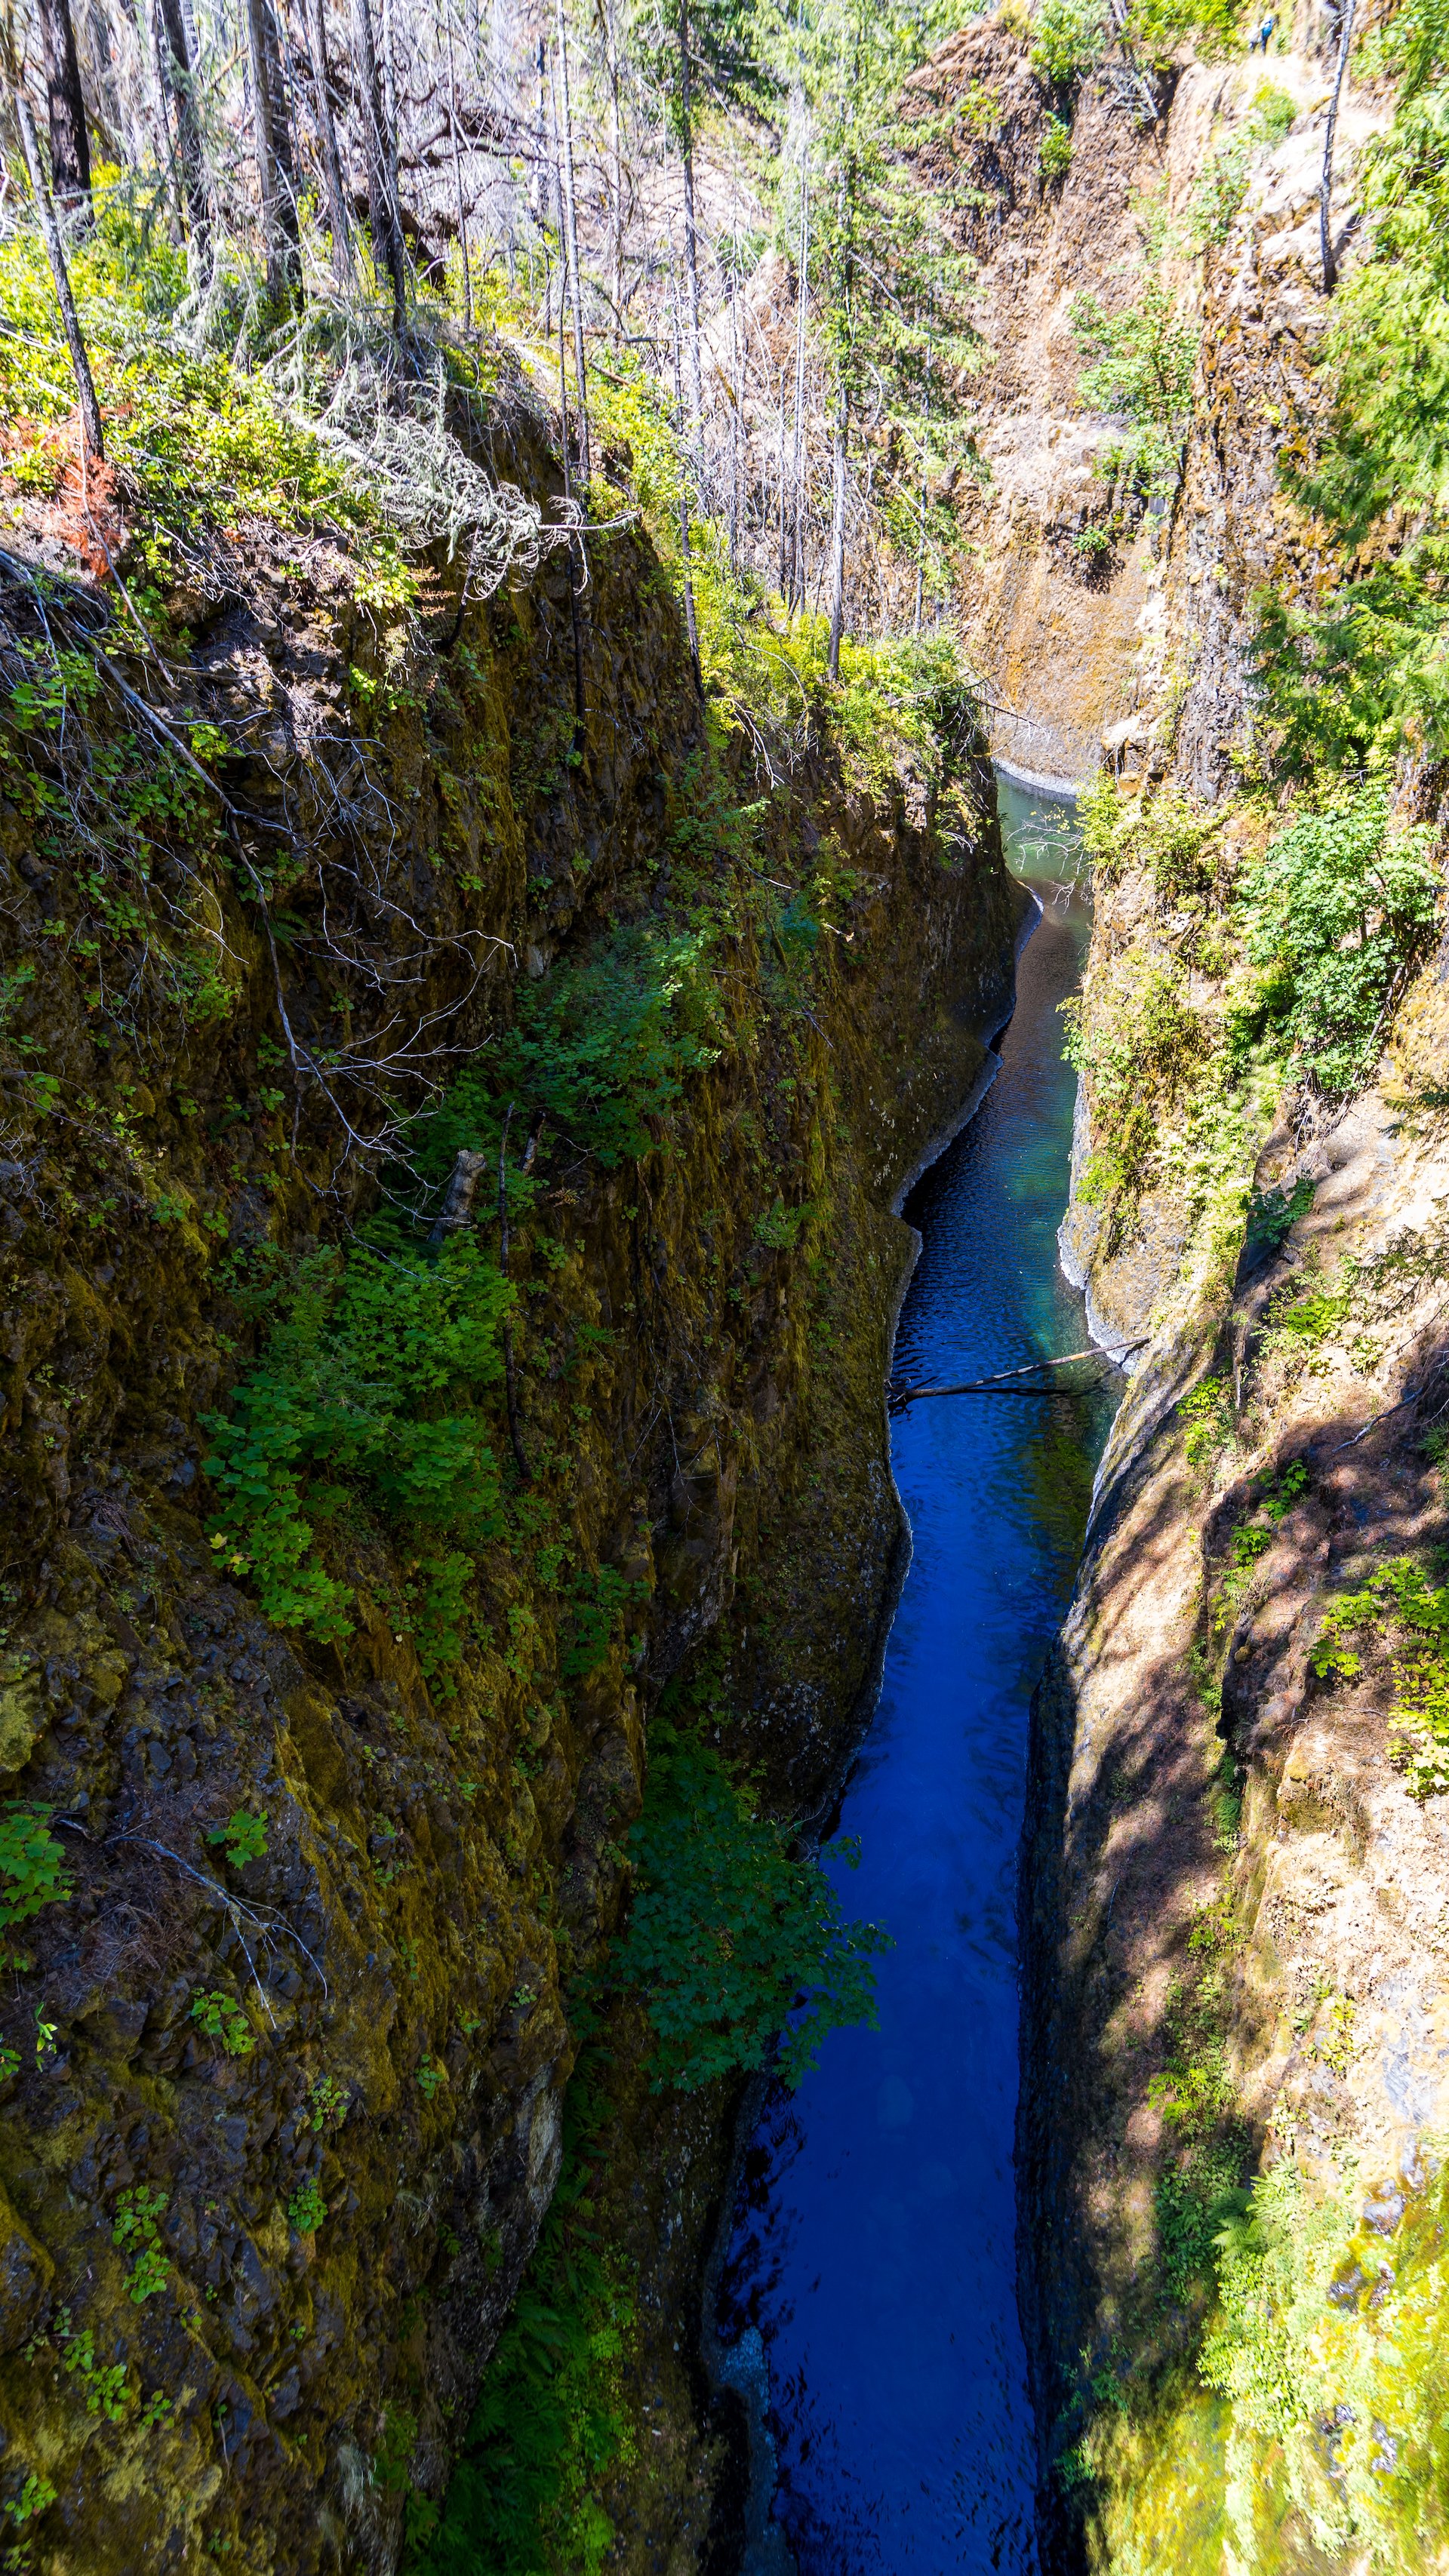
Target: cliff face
(281, 2114)
(1237, 1864)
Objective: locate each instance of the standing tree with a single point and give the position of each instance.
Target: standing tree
(93, 445)
(177, 66)
(892, 290)
(380, 149)
(70, 151)
(276, 172)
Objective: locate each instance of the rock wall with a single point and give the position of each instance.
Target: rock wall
(1237, 1866)
(192, 2363)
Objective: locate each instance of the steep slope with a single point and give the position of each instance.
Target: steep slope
(1237, 1864)
(306, 1897)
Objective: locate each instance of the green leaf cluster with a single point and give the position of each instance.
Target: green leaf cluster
(1362, 671)
(32, 1864)
(728, 1934)
(369, 1386)
(552, 2419)
(1335, 915)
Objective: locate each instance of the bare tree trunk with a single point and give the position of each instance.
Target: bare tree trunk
(337, 213)
(93, 445)
(70, 151)
(1325, 187)
(274, 150)
(458, 175)
(785, 584)
(566, 156)
(691, 257)
(802, 317)
(688, 579)
(616, 169)
(177, 60)
(385, 221)
(837, 531)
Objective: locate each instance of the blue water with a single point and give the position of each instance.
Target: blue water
(873, 2244)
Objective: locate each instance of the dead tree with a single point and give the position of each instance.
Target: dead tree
(177, 65)
(332, 178)
(93, 445)
(1325, 185)
(70, 151)
(384, 212)
(276, 172)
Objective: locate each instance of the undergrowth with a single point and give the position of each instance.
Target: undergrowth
(730, 1941)
(552, 2421)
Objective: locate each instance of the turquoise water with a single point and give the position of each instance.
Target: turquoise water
(873, 2243)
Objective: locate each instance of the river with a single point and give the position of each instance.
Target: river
(869, 2281)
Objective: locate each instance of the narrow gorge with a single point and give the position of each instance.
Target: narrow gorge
(723, 800)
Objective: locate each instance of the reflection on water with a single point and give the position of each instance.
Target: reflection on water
(874, 2239)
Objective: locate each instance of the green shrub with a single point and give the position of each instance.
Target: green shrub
(221, 2017)
(728, 1934)
(306, 2209)
(551, 2423)
(1068, 40)
(32, 1868)
(1054, 153)
(1337, 912)
(1140, 362)
(1222, 184)
(136, 2230)
(244, 1835)
(368, 1384)
(1208, 1415)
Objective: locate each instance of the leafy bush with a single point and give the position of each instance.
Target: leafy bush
(1208, 1415)
(1140, 364)
(306, 2210)
(369, 1385)
(1054, 153)
(1399, 1601)
(32, 1866)
(136, 2230)
(728, 1934)
(551, 2421)
(221, 2017)
(1068, 41)
(244, 1835)
(1337, 912)
(606, 1045)
(1363, 671)
(1222, 184)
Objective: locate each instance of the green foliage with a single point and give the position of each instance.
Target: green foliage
(245, 1838)
(1054, 153)
(1069, 38)
(35, 2497)
(1205, 2144)
(195, 436)
(1363, 670)
(1222, 183)
(368, 1385)
(1337, 912)
(728, 1934)
(32, 1865)
(1208, 1415)
(136, 2230)
(551, 2422)
(1399, 1602)
(221, 2017)
(327, 2102)
(1140, 365)
(431, 2077)
(1138, 1057)
(104, 2383)
(607, 1045)
(306, 2209)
